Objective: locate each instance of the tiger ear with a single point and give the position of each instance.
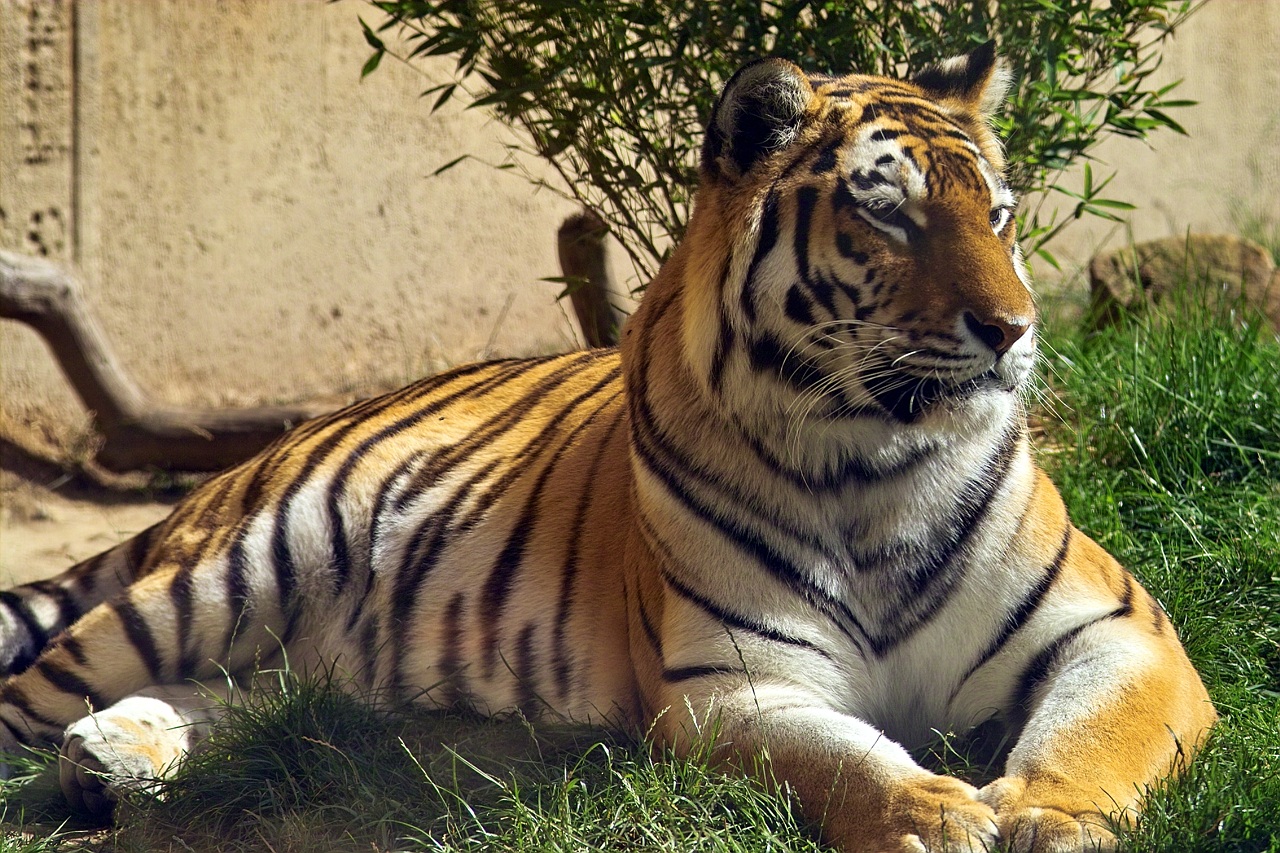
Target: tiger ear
(759, 112)
(976, 82)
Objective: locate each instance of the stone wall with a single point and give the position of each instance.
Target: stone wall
(254, 223)
(1226, 170)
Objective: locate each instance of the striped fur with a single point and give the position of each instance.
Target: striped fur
(800, 502)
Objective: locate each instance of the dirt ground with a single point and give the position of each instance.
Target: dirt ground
(52, 515)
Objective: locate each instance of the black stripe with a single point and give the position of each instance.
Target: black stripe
(646, 624)
(181, 590)
(828, 156)
(424, 551)
(768, 356)
(69, 682)
(238, 589)
(213, 507)
(139, 634)
(340, 553)
(1158, 617)
(823, 289)
(941, 571)
(526, 673)
(750, 541)
(69, 644)
(13, 733)
(724, 343)
(562, 659)
(1017, 618)
(181, 593)
(688, 673)
(368, 644)
(140, 549)
(1126, 601)
(451, 661)
(867, 181)
(375, 527)
(713, 609)
(733, 620)
(39, 637)
(798, 308)
(286, 571)
(769, 229)
(497, 587)
(845, 246)
(806, 200)
(383, 500)
(1041, 667)
(16, 698)
(85, 575)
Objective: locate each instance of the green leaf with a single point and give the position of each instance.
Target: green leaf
(613, 93)
(1113, 203)
(447, 166)
(1048, 257)
(371, 38)
(371, 64)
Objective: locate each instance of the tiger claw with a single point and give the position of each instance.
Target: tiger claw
(84, 781)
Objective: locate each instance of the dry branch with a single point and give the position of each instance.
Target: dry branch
(581, 246)
(137, 432)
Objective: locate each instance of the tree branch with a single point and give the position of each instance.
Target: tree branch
(580, 243)
(137, 432)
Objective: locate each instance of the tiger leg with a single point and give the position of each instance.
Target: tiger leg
(864, 789)
(32, 614)
(1117, 708)
(135, 742)
(167, 628)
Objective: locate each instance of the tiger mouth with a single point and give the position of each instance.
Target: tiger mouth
(907, 397)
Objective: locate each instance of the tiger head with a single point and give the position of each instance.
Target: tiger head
(852, 250)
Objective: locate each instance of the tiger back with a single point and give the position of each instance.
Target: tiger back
(800, 502)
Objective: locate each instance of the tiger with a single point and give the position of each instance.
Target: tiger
(795, 518)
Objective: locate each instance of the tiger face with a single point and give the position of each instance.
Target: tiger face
(904, 295)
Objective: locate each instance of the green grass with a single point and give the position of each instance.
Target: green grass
(1164, 437)
(315, 769)
(1167, 451)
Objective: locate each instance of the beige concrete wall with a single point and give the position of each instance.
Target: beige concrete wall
(251, 220)
(1227, 167)
(254, 223)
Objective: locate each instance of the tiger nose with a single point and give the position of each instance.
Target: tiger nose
(994, 332)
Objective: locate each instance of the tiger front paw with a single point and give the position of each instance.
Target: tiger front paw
(928, 814)
(946, 816)
(127, 747)
(1029, 828)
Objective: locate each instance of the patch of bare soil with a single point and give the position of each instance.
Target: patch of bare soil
(54, 513)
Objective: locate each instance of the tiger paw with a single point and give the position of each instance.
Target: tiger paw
(1028, 828)
(127, 747)
(938, 814)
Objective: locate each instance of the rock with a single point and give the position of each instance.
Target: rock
(1213, 266)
